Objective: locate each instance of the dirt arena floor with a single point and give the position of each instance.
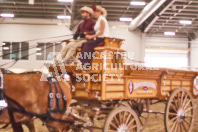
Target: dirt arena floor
(155, 122)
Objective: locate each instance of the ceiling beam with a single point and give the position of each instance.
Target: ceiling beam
(69, 9)
(39, 14)
(147, 12)
(172, 29)
(33, 11)
(72, 25)
(176, 14)
(35, 3)
(44, 7)
(181, 13)
(154, 30)
(175, 23)
(31, 23)
(184, 1)
(151, 24)
(107, 6)
(121, 10)
(181, 5)
(186, 10)
(174, 26)
(178, 17)
(119, 14)
(175, 19)
(30, 7)
(106, 1)
(160, 11)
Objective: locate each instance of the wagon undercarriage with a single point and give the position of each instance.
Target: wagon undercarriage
(132, 115)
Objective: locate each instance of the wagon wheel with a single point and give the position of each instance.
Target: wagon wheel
(141, 107)
(179, 112)
(122, 119)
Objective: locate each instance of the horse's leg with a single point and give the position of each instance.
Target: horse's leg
(17, 127)
(30, 126)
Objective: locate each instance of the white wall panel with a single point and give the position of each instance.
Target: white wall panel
(19, 33)
(194, 53)
(166, 42)
(166, 51)
(132, 40)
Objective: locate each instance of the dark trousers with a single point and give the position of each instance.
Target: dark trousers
(87, 50)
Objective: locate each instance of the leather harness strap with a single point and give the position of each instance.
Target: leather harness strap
(53, 81)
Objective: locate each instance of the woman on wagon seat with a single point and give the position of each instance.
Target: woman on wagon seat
(102, 30)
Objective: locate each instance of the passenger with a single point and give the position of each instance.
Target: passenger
(101, 31)
(84, 28)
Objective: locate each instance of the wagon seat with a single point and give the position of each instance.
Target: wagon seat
(109, 45)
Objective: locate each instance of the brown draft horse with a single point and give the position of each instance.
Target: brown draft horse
(32, 94)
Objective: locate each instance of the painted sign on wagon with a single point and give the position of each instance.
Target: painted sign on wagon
(141, 88)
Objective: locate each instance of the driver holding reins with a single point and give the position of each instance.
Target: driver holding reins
(84, 28)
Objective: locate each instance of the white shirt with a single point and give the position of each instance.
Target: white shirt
(97, 27)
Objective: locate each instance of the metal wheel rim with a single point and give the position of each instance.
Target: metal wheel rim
(179, 114)
(122, 119)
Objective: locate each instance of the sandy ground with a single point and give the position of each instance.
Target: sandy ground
(155, 121)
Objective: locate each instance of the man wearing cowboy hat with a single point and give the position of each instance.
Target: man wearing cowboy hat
(84, 28)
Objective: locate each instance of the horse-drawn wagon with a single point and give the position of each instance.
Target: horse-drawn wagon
(121, 94)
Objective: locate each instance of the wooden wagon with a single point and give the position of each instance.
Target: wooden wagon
(121, 94)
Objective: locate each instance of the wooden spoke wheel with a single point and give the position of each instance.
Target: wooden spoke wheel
(179, 112)
(141, 107)
(122, 119)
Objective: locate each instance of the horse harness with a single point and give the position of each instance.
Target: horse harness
(48, 114)
(53, 81)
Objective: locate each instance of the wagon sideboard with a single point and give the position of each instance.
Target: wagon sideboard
(133, 82)
(111, 79)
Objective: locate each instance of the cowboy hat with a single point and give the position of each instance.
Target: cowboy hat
(87, 9)
(103, 10)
